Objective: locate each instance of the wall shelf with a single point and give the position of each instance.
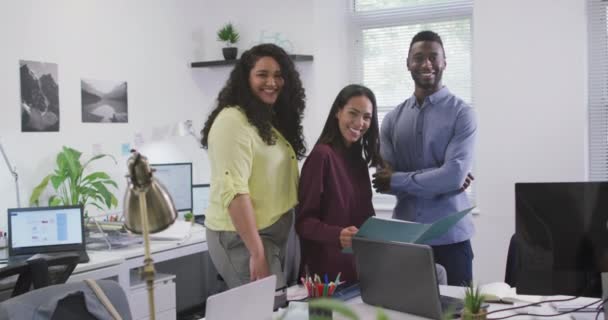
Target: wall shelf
(219, 63)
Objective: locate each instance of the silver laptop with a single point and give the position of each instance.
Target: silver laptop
(46, 230)
(400, 276)
(252, 301)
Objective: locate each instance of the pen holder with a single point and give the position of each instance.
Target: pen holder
(319, 313)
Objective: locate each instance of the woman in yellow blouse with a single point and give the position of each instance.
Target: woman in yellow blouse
(254, 139)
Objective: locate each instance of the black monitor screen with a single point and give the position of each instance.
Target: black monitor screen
(561, 237)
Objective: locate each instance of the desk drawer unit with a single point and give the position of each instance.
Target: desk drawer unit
(164, 297)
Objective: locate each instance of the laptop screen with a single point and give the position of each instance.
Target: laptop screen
(45, 229)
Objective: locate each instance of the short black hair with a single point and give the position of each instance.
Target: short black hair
(426, 35)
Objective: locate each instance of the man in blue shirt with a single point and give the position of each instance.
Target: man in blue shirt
(427, 143)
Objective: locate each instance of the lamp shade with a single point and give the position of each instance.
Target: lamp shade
(160, 209)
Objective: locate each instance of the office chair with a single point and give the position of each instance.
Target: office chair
(50, 270)
(24, 280)
(512, 263)
(74, 300)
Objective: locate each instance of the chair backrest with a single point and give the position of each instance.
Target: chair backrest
(50, 270)
(64, 301)
(512, 263)
(24, 280)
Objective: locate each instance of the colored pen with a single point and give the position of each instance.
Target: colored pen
(332, 288)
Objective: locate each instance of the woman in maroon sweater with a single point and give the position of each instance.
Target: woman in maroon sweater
(335, 193)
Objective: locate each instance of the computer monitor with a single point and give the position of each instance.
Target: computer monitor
(177, 178)
(561, 236)
(200, 199)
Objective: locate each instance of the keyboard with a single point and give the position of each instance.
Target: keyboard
(347, 293)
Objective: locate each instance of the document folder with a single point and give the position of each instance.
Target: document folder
(406, 231)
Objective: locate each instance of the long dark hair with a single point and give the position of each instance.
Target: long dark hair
(368, 146)
(285, 115)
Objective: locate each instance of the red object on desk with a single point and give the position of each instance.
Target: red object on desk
(332, 288)
(320, 288)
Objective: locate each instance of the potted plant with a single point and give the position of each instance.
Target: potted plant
(334, 305)
(230, 36)
(474, 308)
(72, 186)
(189, 217)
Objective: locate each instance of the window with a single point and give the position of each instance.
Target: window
(384, 31)
(370, 5)
(598, 90)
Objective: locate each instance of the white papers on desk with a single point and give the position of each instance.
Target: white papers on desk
(296, 293)
(180, 230)
(591, 303)
(502, 292)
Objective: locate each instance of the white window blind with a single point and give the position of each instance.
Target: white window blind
(384, 31)
(598, 90)
(371, 5)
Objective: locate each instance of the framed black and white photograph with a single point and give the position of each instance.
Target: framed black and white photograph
(39, 96)
(104, 101)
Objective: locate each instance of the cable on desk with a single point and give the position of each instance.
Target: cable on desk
(548, 315)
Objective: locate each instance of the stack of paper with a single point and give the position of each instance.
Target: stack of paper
(502, 293)
(179, 230)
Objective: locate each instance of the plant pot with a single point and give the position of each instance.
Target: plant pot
(316, 313)
(229, 53)
(481, 315)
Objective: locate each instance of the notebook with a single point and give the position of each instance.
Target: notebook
(47, 231)
(253, 301)
(401, 276)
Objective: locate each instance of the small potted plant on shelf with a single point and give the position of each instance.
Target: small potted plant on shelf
(230, 36)
(474, 308)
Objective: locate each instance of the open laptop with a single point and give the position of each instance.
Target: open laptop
(401, 276)
(253, 301)
(47, 231)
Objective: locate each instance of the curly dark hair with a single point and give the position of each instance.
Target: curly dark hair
(285, 115)
(369, 145)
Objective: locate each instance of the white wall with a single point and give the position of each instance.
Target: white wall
(149, 44)
(529, 71)
(146, 43)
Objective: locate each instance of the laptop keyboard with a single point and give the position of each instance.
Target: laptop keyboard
(347, 293)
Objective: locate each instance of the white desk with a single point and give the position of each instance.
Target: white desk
(366, 311)
(119, 263)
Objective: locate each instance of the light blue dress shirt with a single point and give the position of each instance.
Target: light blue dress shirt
(430, 148)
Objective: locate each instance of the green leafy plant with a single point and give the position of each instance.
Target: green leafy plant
(72, 186)
(188, 216)
(473, 303)
(228, 34)
(337, 306)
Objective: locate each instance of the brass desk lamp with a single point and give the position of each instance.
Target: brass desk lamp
(148, 208)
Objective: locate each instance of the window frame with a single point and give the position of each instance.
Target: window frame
(597, 94)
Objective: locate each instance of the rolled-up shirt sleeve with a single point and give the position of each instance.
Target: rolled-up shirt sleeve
(231, 152)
